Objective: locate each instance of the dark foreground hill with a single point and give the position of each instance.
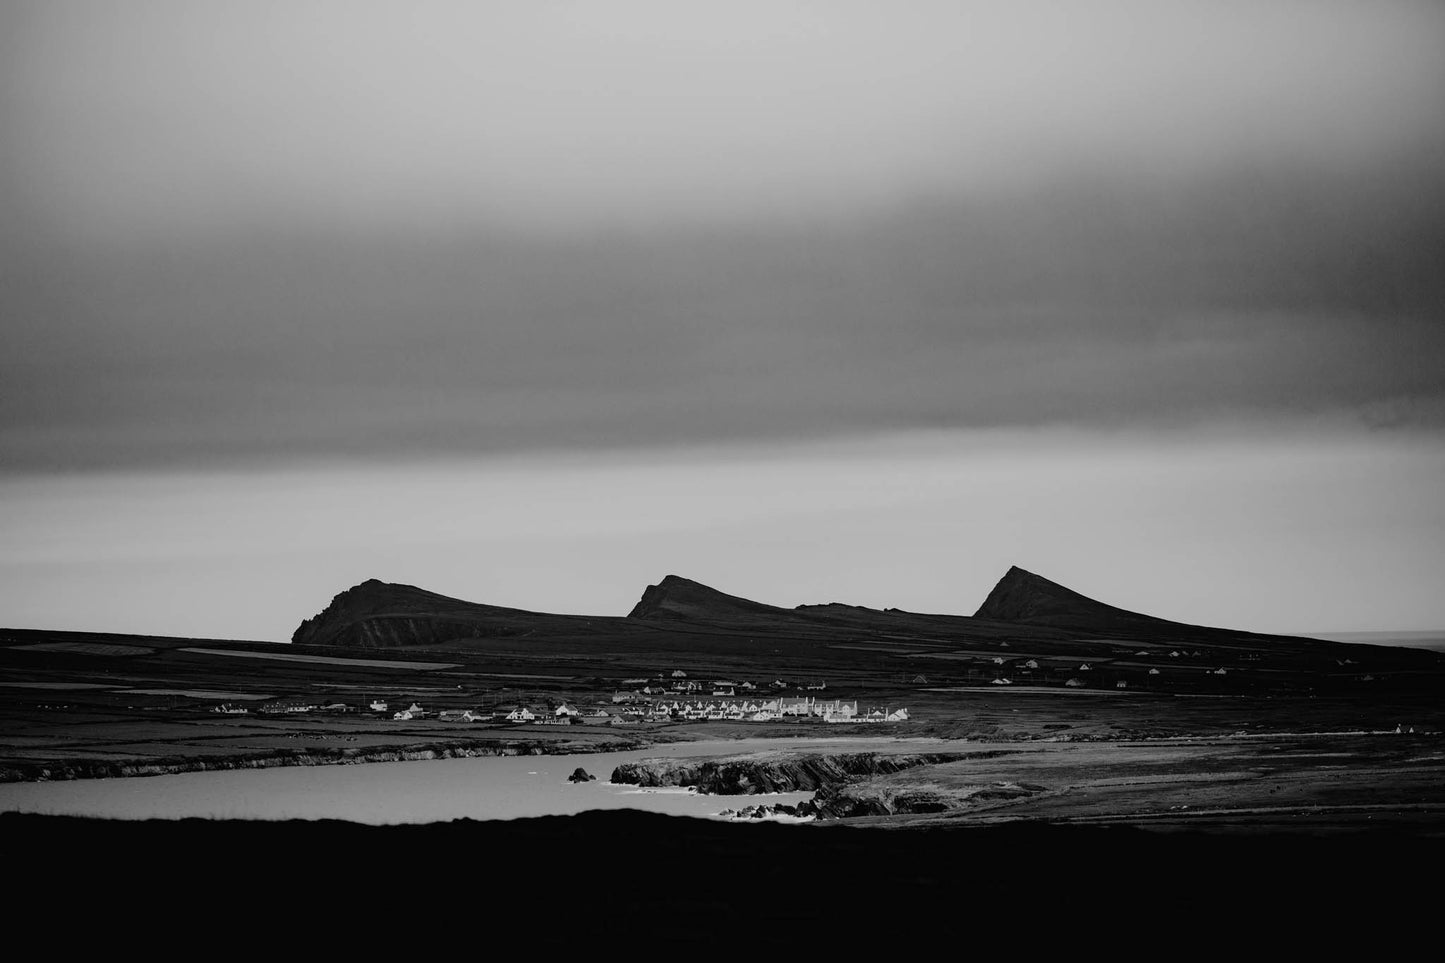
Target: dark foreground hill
(628, 881)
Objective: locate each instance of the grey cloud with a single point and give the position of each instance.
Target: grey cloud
(279, 229)
(160, 116)
(1250, 296)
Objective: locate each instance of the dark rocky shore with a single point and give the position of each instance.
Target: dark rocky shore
(843, 782)
(770, 774)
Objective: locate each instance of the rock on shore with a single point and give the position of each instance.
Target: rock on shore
(878, 798)
(771, 774)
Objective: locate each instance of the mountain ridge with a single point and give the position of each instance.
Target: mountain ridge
(1022, 596)
(676, 597)
(1022, 605)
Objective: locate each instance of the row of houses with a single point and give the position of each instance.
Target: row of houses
(718, 688)
(763, 710)
(774, 709)
(740, 711)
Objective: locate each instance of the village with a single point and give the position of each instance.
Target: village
(673, 698)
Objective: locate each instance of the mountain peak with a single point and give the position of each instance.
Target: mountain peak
(1022, 596)
(381, 614)
(676, 597)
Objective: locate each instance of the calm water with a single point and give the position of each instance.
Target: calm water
(492, 787)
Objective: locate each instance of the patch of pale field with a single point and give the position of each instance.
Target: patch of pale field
(324, 659)
(199, 694)
(85, 648)
(900, 648)
(1033, 690)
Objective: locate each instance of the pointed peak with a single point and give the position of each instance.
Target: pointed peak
(1022, 576)
(676, 597)
(1022, 596)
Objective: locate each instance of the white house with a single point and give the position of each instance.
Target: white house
(521, 714)
(377, 705)
(565, 710)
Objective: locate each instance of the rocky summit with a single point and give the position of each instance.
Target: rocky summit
(676, 597)
(378, 614)
(1022, 596)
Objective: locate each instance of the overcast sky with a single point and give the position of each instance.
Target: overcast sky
(418, 248)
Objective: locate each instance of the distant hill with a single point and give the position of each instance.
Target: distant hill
(676, 597)
(1024, 609)
(378, 615)
(1022, 596)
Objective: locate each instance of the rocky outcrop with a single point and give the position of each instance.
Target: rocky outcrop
(770, 774)
(680, 598)
(879, 798)
(765, 811)
(581, 775)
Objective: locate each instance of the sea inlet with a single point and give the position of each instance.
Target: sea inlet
(485, 787)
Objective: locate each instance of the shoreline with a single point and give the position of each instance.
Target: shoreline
(59, 771)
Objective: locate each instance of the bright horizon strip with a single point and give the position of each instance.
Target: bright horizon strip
(1327, 533)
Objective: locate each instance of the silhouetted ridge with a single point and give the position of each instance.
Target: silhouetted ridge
(676, 597)
(378, 614)
(1022, 596)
